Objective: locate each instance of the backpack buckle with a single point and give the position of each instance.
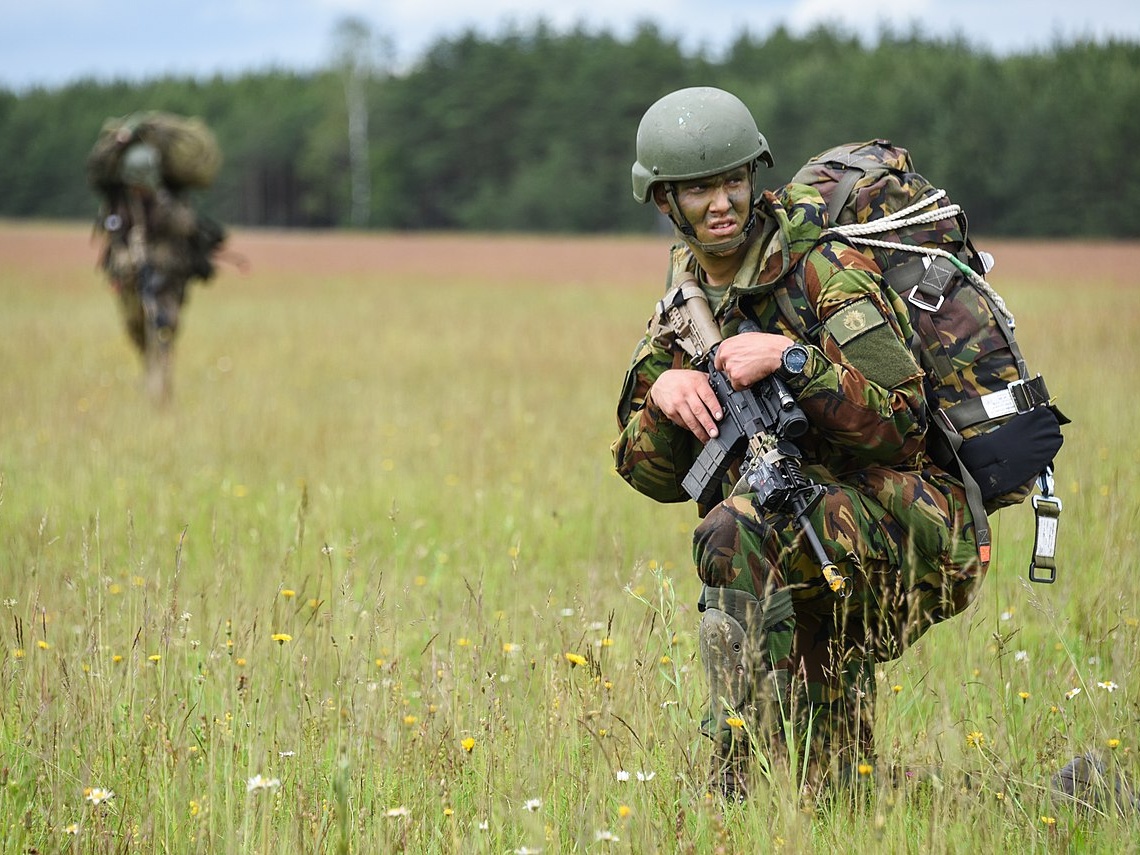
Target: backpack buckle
(1028, 393)
(915, 299)
(935, 281)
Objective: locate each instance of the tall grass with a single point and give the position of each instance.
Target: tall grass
(369, 585)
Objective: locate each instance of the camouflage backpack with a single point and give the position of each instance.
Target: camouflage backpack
(999, 429)
(188, 149)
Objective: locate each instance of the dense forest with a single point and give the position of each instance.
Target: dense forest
(532, 130)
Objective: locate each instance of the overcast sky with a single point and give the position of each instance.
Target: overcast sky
(53, 42)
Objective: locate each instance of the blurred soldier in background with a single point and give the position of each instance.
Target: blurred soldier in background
(155, 243)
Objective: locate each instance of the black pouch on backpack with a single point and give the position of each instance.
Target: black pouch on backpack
(1014, 453)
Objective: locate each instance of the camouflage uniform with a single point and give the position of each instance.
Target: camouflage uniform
(897, 527)
(155, 244)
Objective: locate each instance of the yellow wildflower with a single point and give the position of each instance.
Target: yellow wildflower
(288, 593)
(1049, 820)
(468, 744)
(1113, 743)
(575, 659)
(865, 769)
(896, 688)
(42, 645)
(282, 637)
(624, 811)
(155, 657)
(734, 721)
(975, 739)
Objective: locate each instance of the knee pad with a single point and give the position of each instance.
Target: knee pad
(733, 645)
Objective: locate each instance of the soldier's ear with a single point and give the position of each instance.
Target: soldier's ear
(661, 198)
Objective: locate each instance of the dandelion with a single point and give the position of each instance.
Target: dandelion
(155, 657)
(398, 811)
(1108, 685)
(607, 684)
(665, 660)
(1023, 695)
(98, 795)
(624, 811)
(865, 769)
(462, 642)
(1021, 656)
(195, 808)
(410, 720)
(1049, 820)
(240, 661)
(1072, 693)
(734, 722)
(281, 637)
(258, 783)
(622, 775)
(19, 653)
(43, 645)
(575, 659)
(288, 593)
(468, 744)
(1113, 743)
(896, 688)
(975, 739)
(607, 642)
(448, 811)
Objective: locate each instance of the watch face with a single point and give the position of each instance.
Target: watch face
(795, 358)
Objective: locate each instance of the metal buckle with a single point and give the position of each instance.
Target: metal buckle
(915, 299)
(1023, 394)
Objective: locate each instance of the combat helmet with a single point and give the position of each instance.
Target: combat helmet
(141, 166)
(694, 133)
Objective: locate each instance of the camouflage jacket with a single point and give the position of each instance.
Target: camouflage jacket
(861, 390)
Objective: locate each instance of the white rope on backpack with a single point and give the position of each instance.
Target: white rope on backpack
(856, 232)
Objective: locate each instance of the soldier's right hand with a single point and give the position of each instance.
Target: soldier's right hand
(686, 398)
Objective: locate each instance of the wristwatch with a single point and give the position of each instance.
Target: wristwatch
(792, 362)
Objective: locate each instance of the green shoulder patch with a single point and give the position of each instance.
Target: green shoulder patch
(869, 343)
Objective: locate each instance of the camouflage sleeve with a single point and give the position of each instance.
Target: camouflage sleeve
(862, 386)
(651, 452)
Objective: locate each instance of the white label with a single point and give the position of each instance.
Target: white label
(998, 404)
(1046, 537)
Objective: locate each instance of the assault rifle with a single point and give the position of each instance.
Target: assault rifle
(759, 425)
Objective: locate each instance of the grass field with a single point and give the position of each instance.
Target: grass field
(370, 585)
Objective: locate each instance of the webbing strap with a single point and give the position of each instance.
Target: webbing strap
(745, 608)
(851, 175)
(973, 492)
(1021, 396)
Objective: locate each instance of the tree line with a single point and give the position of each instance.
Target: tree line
(533, 130)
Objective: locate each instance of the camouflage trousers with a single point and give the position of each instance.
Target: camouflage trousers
(904, 540)
(162, 303)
